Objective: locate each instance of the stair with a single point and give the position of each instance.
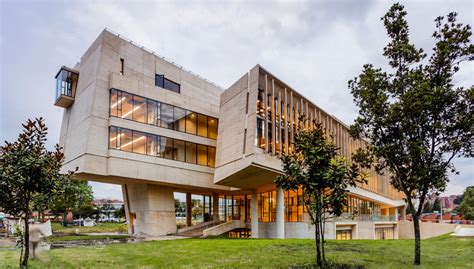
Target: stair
(197, 230)
(224, 228)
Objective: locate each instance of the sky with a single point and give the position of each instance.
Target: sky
(314, 46)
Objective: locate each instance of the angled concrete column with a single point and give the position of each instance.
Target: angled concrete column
(127, 209)
(280, 213)
(403, 213)
(153, 206)
(254, 213)
(215, 206)
(189, 209)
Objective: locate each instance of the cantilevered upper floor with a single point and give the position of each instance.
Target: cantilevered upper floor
(262, 117)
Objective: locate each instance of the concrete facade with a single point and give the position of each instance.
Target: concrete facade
(245, 163)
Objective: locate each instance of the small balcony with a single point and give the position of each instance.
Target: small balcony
(66, 84)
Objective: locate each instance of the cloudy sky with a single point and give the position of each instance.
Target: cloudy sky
(314, 46)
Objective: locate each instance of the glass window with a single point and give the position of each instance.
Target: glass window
(191, 123)
(152, 112)
(212, 127)
(190, 152)
(159, 80)
(152, 145)
(172, 86)
(167, 116)
(113, 137)
(179, 119)
(260, 141)
(125, 140)
(179, 150)
(139, 109)
(113, 102)
(166, 148)
(270, 137)
(127, 106)
(139, 142)
(202, 154)
(211, 156)
(202, 125)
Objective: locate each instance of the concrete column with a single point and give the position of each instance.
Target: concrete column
(154, 209)
(254, 213)
(127, 209)
(215, 206)
(280, 213)
(189, 209)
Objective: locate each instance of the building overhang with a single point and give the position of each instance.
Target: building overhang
(371, 196)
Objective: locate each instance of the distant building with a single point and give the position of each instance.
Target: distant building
(107, 208)
(447, 202)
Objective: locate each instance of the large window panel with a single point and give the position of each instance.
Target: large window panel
(152, 144)
(179, 119)
(180, 150)
(211, 156)
(139, 142)
(212, 127)
(113, 102)
(202, 125)
(113, 137)
(125, 140)
(202, 154)
(191, 152)
(152, 112)
(260, 138)
(139, 109)
(127, 106)
(167, 117)
(166, 148)
(191, 123)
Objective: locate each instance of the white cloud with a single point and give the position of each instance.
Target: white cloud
(314, 46)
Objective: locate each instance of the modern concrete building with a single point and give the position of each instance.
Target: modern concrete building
(133, 118)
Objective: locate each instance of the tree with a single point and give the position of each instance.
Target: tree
(323, 176)
(427, 208)
(466, 208)
(72, 196)
(29, 173)
(120, 212)
(436, 205)
(414, 116)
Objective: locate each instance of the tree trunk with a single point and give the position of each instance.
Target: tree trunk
(24, 262)
(416, 225)
(318, 244)
(322, 240)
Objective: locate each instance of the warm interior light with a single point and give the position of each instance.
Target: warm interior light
(117, 136)
(130, 112)
(129, 143)
(119, 101)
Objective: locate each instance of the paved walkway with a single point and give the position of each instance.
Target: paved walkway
(462, 231)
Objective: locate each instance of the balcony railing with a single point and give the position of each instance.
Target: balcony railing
(66, 84)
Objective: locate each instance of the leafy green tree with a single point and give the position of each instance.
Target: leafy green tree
(466, 208)
(415, 117)
(323, 176)
(72, 196)
(427, 208)
(29, 173)
(436, 205)
(120, 212)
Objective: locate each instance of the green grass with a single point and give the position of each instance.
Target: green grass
(440, 252)
(100, 228)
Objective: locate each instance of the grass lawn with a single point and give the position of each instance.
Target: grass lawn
(99, 228)
(441, 252)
